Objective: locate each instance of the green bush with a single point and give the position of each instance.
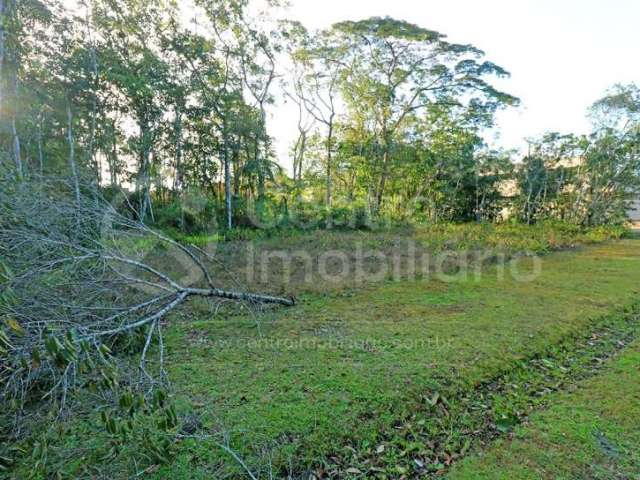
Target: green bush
(192, 214)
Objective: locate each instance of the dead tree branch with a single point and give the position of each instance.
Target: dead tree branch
(75, 277)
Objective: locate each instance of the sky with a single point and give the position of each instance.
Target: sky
(563, 54)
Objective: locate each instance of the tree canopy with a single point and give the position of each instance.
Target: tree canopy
(392, 118)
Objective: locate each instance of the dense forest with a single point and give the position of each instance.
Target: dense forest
(168, 103)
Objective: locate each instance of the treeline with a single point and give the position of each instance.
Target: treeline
(169, 104)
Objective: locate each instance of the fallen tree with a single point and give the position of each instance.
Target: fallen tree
(78, 277)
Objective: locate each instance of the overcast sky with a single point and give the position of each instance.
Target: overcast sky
(562, 54)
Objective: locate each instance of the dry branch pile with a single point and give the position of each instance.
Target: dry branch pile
(76, 278)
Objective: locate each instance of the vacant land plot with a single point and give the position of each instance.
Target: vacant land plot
(400, 377)
(367, 379)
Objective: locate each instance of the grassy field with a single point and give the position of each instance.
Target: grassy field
(354, 377)
(255, 257)
(399, 377)
(591, 432)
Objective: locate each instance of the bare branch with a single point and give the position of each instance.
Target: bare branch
(80, 276)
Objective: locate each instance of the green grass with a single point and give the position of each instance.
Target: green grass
(591, 432)
(346, 381)
(250, 259)
(342, 370)
(541, 236)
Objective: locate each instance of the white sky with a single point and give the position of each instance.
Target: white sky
(562, 54)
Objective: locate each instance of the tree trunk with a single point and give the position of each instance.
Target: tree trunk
(296, 156)
(383, 178)
(144, 177)
(259, 166)
(235, 161)
(94, 102)
(227, 178)
(303, 147)
(329, 161)
(17, 156)
(113, 157)
(177, 180)
(72, 154)
(227, 190)
(92, 130)
(40, 155)
(261, 169)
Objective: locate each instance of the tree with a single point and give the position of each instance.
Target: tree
(399, 69)
(25, 47)
(547, 175)
(133, 64)
(296, 40)
(320, 63)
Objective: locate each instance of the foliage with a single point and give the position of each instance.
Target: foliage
(168, 118)
(584, 180)
(391, 118)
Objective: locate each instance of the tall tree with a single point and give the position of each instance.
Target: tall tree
(321, 63)
(399, 69)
